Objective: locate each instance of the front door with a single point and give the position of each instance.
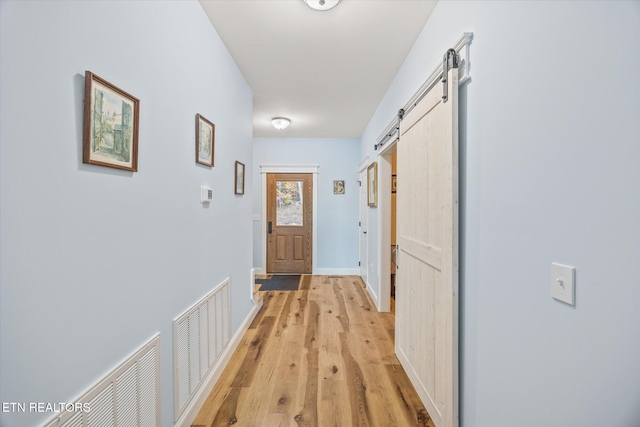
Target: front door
(289, 231)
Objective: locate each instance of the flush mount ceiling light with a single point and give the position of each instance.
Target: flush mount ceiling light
(322, 5)
(280, 122)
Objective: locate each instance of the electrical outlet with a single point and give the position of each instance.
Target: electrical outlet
(563, 283)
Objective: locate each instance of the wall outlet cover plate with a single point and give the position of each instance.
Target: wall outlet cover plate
(563, 283)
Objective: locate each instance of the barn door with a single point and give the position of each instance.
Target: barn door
(427, 236)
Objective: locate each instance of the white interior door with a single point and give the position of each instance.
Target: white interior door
(427, 235)
(364, 258)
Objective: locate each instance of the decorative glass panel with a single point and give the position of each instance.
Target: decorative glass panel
(289, 203)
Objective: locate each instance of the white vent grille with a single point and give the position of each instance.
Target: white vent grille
(128, 396)
(200, 335)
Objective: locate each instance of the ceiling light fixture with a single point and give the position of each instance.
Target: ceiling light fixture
(322, 5)
(280, 122)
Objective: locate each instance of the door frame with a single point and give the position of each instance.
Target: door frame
(310, 169)
(383, 302)
(363, 210)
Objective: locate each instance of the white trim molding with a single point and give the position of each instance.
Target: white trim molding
(289, 169)
(267, 169)
(383, 299)
(364, 163)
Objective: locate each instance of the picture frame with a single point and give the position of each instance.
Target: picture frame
(239, 178)
(394, 183)
(338, 187)
(372, 185)
(205, 141)
(111, 125)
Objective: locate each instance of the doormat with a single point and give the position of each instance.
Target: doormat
(262, 281)
(282, 283)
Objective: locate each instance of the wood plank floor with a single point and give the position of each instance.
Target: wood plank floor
(318, 357)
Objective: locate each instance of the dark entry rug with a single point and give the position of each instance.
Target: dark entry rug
(282, 283)
(262, 281)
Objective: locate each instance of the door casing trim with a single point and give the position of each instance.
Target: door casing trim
(384, 228)
(312, 169)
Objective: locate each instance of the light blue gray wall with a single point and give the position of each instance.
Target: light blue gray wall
(96, 260)
(550, 150)
(337, 214)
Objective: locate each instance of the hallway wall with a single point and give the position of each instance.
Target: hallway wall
(337, 214)
(550, 159)
(94, 260)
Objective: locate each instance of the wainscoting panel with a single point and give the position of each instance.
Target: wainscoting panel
(200, 336)
(127, 396)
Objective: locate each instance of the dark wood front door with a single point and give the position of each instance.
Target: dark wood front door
(289, 216)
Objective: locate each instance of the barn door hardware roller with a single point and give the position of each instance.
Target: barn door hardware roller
(449, 61)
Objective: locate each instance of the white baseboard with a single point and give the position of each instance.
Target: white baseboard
(338, 271)
(323, 271)
(198, 400)
(252, 284)
(374, 297)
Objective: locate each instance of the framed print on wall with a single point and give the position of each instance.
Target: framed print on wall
(372, 184)
(111, 122)
(239, 181)
(205, 141)
(338, 187)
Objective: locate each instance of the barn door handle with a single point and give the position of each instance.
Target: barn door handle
(270, 227)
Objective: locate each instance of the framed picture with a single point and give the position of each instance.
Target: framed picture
(239, 178)
(372, 184)
(338, 187)
(111, 121)
(205, 138)
(394, 183)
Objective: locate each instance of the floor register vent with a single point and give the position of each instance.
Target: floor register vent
(200, 336)
(128, 396)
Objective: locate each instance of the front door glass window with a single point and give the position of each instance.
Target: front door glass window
(289, 203)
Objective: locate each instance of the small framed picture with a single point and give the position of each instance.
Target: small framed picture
(111, 123)
(372, 185)
(394, 183)
(239, 181)
(338, 187)
(205, 141)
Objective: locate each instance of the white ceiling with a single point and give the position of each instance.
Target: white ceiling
(326, 71)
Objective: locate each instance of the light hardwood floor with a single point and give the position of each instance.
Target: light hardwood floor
(318, 357)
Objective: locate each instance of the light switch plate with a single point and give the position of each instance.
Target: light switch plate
(563, 283)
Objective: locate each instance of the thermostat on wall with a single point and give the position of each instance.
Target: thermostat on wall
(206, 194)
